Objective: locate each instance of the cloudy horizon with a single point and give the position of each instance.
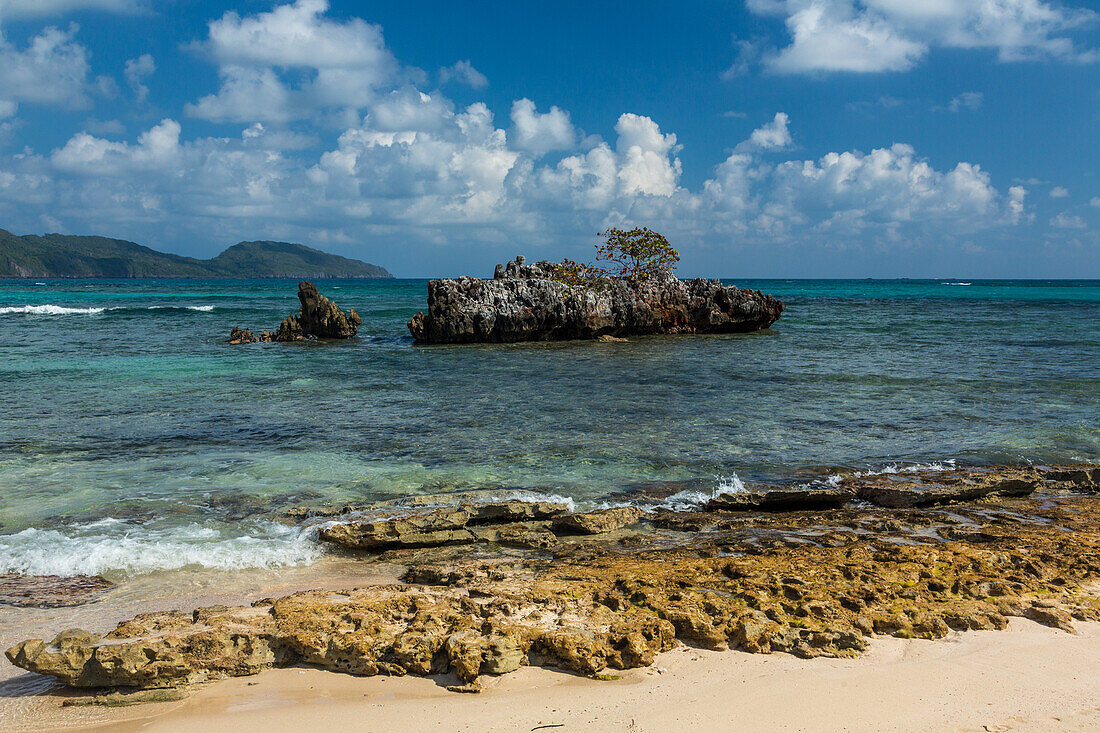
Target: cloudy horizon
(773, 138)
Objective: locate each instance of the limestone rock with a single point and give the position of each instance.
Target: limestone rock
(522, 303)
(925, 488)
(514, 511)
(597, 522)
(241, 336)
(440, 527)
(789, 500)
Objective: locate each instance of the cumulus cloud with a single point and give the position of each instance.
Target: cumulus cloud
(772, 136)
(262, 57)
(894, 35)
(416, 167)
(87, 154)
(53, 70)
(1059, 192)
(136, 72)
(1016, 196)
(541, 132)
(463, 72)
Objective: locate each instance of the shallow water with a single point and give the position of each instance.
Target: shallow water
(134, 438)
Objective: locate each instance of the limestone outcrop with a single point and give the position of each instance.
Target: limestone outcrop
(523, 303)
(318, 317)
(779, 576)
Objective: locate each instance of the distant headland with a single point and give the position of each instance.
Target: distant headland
(60, 255)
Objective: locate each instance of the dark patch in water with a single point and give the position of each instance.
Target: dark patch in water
(51, 591)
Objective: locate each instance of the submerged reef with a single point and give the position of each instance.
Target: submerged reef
(612, 588)
(318, 318)
(526, 303)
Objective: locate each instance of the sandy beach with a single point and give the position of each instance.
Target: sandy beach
(1027, 678)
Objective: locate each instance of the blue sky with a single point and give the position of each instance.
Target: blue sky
(775, 138)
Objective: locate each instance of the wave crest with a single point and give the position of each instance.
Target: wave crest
(113, 546)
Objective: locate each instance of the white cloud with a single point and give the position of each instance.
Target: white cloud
(966, 100)
(1016, 196)
(262, 58)
(248, 95)
(1059, 192)
(136, 72)
(772, 136)
(894, 35)
(646, 165)
(415, 167)
(541, 132)
(835, 36)
(38, 8)
(1095, 202)
(84, 153)
(463, 72)
(1065, 220)
(52, 70)
(412, 167)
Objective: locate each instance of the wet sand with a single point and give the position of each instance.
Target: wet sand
(1027, 678)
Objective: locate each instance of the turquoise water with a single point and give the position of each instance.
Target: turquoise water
(134, 438)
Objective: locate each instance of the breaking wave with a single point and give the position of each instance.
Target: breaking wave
(114, 546)
(691, 500)
(62, 310)
(49, 310)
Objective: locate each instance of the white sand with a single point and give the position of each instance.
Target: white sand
(1028, 678)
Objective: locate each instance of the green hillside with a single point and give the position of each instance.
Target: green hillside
(59, 255)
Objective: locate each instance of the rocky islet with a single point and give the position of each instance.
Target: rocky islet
(317, 318)
(526, 303)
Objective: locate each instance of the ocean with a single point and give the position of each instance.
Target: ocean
(134, 438)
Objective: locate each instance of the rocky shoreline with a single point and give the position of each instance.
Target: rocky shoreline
(526, 303)
(491, 587)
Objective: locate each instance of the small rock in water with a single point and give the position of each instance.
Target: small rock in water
(318, 317)
(241, 336)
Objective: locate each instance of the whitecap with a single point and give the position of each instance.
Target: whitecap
(49, 310)
(113, 546)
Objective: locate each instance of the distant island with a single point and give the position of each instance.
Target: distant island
(60, 255)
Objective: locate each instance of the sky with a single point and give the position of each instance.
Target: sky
(764, 138)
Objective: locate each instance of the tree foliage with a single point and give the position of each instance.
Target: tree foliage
(639, 253)
(636, 254)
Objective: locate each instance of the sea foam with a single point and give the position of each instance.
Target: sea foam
(113, 546)
(49, 310)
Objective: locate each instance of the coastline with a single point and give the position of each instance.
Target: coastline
(1025, 678)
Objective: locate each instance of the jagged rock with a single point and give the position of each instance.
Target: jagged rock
(322, 318)
(597, 522)
(789, 500)
(289, 330)
(522, 303)
(318, 317)
(241, 336)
